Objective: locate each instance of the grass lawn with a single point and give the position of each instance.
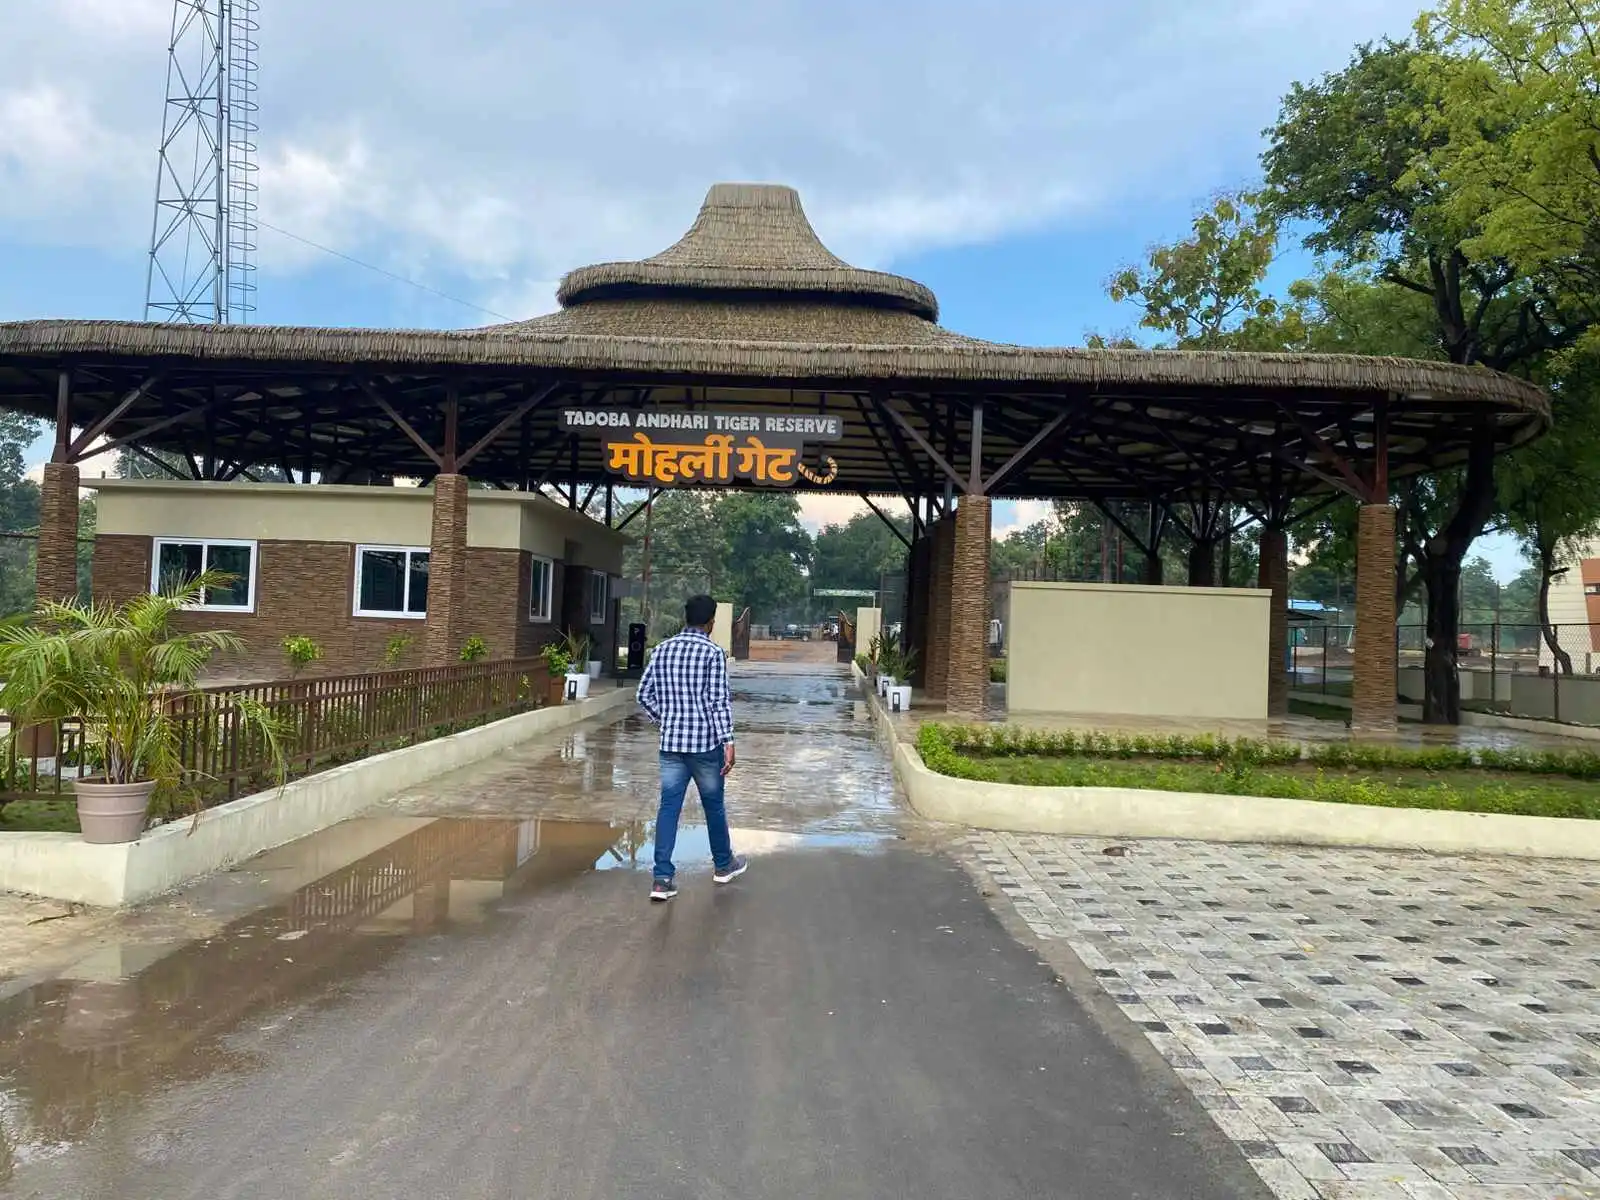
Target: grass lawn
(40, 816)
(1543, 784)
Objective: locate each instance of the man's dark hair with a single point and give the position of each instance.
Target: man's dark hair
(700, 611)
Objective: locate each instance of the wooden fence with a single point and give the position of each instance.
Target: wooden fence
(320, 722)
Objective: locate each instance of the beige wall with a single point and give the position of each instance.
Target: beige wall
(722, 628)
(869, 621)
(386, 516)
(1138, 651)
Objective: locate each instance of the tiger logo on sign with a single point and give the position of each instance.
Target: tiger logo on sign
(830, 472)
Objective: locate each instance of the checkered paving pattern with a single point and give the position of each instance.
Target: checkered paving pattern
(1363, 1024)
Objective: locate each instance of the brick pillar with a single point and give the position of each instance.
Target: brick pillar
(1274, 577)
(56, 570)
(968, 690)
(939, 592)
(447, 571)
(1375, 652)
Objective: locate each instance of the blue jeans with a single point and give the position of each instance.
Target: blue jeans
(706, 771)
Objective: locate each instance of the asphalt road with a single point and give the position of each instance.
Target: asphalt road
(840, 1023)
(448, 999)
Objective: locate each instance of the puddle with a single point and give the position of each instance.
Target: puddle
(149, 1012)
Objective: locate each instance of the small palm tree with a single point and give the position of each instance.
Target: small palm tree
(126, 673)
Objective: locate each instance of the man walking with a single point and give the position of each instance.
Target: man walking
(685, 692)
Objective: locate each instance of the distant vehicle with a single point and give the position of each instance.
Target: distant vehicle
(794, 633)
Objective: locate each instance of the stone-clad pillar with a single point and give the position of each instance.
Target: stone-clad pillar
(1273, 576)
(939, 593)
(447, 572)
(56, 569)
(968, 687)
(1375, 650)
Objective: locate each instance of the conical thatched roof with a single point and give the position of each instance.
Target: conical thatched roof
(750, 268)
(749, 238)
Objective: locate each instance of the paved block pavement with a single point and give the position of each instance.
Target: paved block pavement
(1363, 1024)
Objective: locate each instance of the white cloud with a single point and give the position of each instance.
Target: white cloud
(507, 143)
(1010, 517)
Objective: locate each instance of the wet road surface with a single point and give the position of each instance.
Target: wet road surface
(468, 995)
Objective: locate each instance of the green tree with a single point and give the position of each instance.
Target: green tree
(766, 554)
(1519, 88)
(683, 549)
(1350, 153)
(859, 553)
(1207, 290)
(19, 512)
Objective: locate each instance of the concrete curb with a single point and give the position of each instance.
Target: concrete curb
(1205, 817)
(61, 866)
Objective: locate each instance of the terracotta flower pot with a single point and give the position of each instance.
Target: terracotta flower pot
(558, 690)
(113, 812)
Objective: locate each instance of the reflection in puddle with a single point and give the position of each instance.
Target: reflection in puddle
(137, 1017)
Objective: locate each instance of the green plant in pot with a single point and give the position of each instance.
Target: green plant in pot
(131, 678)
(576, 645)
(557, 663)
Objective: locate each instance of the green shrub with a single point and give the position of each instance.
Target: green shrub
(1447, 778)
(301, 652)
(475, 650)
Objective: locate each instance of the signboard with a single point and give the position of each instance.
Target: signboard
(665, 446)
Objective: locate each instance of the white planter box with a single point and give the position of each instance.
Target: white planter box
(577, 686)
(900, 698)
(595, 665)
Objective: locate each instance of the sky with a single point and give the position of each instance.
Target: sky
(1011, 155)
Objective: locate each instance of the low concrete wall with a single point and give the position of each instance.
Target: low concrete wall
(1134, 813)
(1126, 650)
(64, 867)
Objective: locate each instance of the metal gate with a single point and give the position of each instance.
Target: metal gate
(847, 638)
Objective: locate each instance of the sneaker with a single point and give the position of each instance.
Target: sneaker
(734, 869)
(663, 890)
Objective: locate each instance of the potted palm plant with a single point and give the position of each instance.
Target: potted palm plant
(130, 678)
(887, 655)
(576, 646)
(899, 694)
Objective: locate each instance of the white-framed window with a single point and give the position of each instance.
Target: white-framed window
(175, 561)
(392, 581)
(599, 593)
(541, 596)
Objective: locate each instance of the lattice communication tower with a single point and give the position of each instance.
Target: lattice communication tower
(203, 239)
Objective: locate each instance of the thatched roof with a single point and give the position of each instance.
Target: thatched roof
(749, 308)
(749, 238)
(750, 292)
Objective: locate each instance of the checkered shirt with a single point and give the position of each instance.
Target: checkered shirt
(685, 691)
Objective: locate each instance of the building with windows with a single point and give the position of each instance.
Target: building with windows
(349, 567)
(1575, 611)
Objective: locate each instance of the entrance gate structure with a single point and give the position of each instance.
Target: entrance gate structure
(760, 359)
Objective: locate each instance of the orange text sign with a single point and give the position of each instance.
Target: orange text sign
(668, 448)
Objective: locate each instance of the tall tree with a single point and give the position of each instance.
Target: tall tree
(859, 553)
(19, 512)
(1519, 90)
(680, 543)
(1208, 292)
(1351, 153)
(765, 554)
